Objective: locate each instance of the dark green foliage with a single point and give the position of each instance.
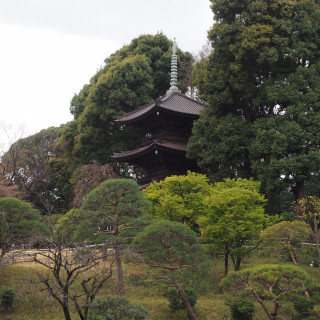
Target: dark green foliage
(272, 286)
(173, 249)
(157, 48)
(111, 210)
(262, 86)
(288, 216)
(142, 280)
(78, 101)
(242, 310)
(34, 166)
(19, 224)
(305, 307)
(175, 301)
(133, 76)
(314, 256)
(122, 88)
(286, 238)
(218, 144)
(116, 308)
(7, 296)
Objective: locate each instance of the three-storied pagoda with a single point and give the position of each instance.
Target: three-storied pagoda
(167, 123)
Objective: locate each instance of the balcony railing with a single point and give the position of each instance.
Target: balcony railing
(164, 137)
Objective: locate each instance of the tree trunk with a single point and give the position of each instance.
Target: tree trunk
(291, 252)
(226, 260)
(82, 316)
(3, 252)
(298, 190)
(237, 265)
(316, 232)
(275, 311)
(66, 312)
(185, 300)
(119, 270)
(293, 258)
(270, 316)
(306, 293)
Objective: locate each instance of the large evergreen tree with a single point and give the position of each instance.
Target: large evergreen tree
(262, 85)
(174, 250)
(133, 76)
(279, 285)
(109, 212)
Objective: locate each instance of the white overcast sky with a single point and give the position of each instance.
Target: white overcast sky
(50, 48)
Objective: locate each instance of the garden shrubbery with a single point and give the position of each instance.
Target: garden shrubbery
(7, 296)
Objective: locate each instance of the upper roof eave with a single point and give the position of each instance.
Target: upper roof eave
(173, 102)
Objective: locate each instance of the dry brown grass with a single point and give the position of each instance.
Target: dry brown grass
(34, 304)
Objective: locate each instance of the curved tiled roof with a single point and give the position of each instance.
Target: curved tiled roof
(172, 101)
(167, 146)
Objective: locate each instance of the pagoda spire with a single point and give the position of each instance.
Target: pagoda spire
(174, 70)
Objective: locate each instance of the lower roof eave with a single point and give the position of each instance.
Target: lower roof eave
(137, 153)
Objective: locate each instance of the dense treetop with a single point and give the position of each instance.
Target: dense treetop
(262, 84)
(133, 76)
(257, 143)
(48, 166)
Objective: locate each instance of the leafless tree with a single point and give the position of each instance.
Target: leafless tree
(72, 273)
(8, 136)
(27, 165)
(186, 68)
(88, 178)
(205, 52)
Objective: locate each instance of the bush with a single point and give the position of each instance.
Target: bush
(141, 279)
(306, 308)
(303, 306)
(242, 310)
(315, 256)
(115, 308)
(175, 301)
(7, 298)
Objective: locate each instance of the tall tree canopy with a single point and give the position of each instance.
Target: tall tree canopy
(30, 164)
(48, 166)
(133, 76)
(262, 82)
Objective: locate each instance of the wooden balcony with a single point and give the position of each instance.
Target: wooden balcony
(164, 137)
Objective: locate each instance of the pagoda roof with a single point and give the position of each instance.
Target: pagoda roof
(166, 146)
(172, 102)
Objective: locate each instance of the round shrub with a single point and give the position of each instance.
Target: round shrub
(175, 301)
(115, 308)
(7, 296)
(242, 310)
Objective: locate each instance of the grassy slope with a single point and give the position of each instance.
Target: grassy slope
(33, 304)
